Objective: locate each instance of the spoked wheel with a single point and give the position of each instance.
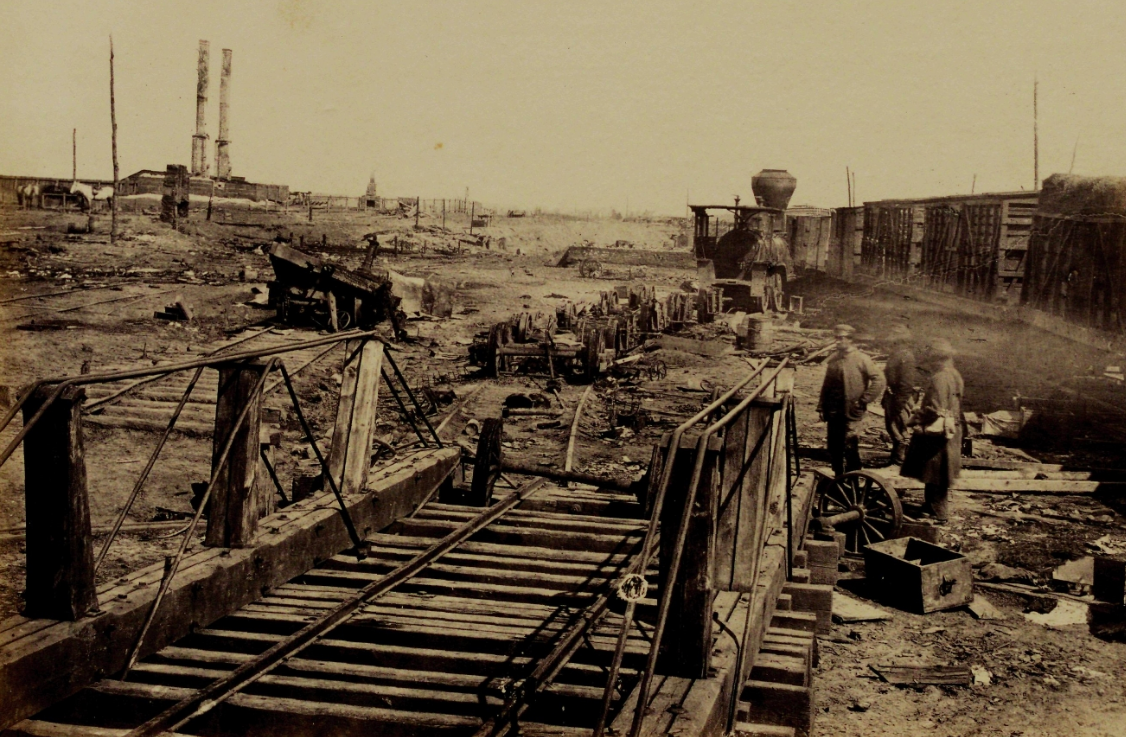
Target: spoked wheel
(862, 505)
(486, 468)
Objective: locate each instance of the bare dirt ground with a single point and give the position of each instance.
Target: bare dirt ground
(1045, 681)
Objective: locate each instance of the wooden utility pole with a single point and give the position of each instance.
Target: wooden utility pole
(472, 213)
(443, 213)
(848, 183)
(417, 210)
(113, 132)
(1035, 135)
(74, 154)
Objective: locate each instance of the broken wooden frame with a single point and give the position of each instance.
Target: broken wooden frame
(695, 592)
(53, 424)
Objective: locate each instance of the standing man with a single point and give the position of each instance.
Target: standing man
(899, 399)
(935, 454)
(852, 382)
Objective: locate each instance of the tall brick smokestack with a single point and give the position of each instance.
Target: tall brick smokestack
(199, 140)
(222, 156)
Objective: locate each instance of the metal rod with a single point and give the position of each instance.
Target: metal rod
(270, 387)
(148, 469)
(682, 535)
(345, 515)
(402, 407)
(666, 475)
(414, 400)
(273, 475)
(615, 669)
(130, 387)
(189, 534)
(207, 361)
(789, 491)
(218, 691)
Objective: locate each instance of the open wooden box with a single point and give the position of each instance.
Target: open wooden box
(915, 575)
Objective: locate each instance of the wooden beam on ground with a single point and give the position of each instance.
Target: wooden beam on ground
(60, 560)
(45, 660)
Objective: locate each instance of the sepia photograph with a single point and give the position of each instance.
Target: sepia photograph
(590, 369)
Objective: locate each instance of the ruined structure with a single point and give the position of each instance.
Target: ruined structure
(199, 139)
(222, 155)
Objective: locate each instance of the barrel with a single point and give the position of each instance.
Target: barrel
(760, 333)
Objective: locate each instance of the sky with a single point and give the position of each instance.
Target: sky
(633, 106)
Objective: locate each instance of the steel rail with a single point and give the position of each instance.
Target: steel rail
(189, 533)
(26, 297)
(549, 666)
(215, 693)
(659, 500)
(66, 382)
(682, 534)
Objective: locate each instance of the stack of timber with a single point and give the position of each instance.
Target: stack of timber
(149, 406)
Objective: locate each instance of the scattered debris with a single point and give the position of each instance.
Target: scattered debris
(982, 608)
(1065, 613)
(924, 675)
(982, 677)
(178, 311)
(847, 609)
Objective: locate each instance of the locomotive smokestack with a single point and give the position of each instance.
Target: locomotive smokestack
(773, 188)
(222, 156)
(199, 140)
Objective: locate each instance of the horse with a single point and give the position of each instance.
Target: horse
(90, 194)
(28, 195)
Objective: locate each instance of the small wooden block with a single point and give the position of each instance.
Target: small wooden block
(822, 553)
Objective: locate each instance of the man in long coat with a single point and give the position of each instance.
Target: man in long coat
(852, 382)
(935, 454)
(899, 399)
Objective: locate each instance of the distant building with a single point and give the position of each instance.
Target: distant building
(371, 195)
(151, 181)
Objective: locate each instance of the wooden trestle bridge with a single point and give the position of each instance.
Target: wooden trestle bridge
(400, 602)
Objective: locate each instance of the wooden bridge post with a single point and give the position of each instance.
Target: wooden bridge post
(349, 458)
(686, 648)
(60, 561)
(232, 520)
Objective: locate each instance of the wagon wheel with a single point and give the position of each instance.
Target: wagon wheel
(492, 350)
(592, 354)
(486, 467)
(590, 268)
(862, 505)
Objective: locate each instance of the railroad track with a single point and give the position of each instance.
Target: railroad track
(480, 614)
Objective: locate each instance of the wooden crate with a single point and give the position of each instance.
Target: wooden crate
(915, 575)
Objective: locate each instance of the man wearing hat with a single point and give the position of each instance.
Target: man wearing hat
(852, 382)
(899, 399)
(935, 454)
